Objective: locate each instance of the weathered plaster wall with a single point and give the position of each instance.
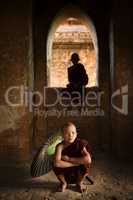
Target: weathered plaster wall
(123, 75)
(15, 63)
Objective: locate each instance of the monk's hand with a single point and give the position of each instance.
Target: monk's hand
(65, 158)
(84, 151)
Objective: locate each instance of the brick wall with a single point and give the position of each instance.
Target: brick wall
(66, 43)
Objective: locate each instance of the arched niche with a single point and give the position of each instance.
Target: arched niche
(67, 12)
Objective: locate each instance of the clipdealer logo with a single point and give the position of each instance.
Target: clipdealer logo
(123, 92)
(92, 99)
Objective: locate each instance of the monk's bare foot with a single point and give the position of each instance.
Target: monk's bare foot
(81, 188)
(62, 187)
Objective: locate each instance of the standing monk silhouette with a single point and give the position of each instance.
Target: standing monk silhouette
(77, 75)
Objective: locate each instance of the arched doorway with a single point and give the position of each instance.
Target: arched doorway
(46, 124)
(71, 31)
(69, 20)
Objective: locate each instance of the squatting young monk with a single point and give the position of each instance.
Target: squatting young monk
(72, 159)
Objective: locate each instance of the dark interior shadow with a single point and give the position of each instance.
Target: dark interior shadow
(20, 178)
(27, 185)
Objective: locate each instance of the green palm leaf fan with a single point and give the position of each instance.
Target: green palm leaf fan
(43, 161)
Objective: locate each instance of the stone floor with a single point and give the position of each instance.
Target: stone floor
(113, 180)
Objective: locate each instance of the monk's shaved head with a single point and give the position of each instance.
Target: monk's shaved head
(69, 132)
(68, 124)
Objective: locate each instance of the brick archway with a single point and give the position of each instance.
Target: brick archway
(43, 32)
(83, 48)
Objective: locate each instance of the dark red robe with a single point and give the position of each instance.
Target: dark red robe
(74, 150)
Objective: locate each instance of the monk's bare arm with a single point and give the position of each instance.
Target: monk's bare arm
(57, 159)
(85, 159)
